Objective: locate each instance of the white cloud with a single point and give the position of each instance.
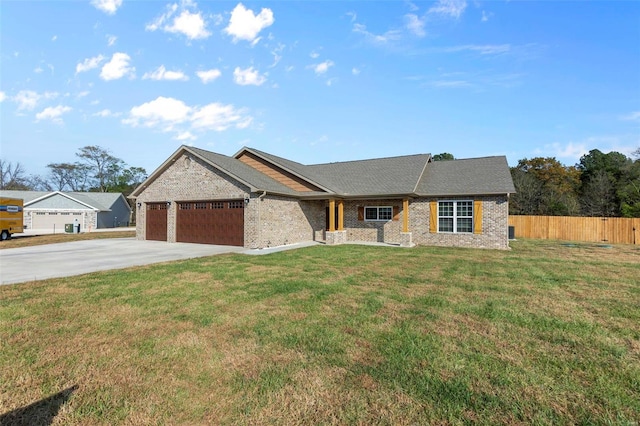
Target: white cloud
(165, 111)
(355, 71)
(483, 49)
(3, 96)
(162, 74)
(219, 117)
(451, 8)
(107, 6)
(53, 113)
(83, 94)
(111, 40)
(377, 39)
(414, 24)
(117, 67)
(277, 54)
(54, 38)
(450, 84)
(209, 75)
(245, 25)
(322, 67)
(38, 69)
(314, 54)
(485, 16)
(173, 115)
(106, 113)
(28, 99)
(190, 24)
(89, 63)
(248, 77)
(185, 136)
(634, 116)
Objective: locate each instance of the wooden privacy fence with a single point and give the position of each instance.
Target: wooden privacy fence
(613, 230)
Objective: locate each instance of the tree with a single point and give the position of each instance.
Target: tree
(68, 176)
(445, 156)
(594, 167)
(599, 195)
(528, 196)
(13, 176)
(103, 166)
(556, 192)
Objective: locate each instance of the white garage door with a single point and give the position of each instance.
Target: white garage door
(54, 220)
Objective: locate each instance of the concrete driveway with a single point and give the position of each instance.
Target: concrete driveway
(82, 257)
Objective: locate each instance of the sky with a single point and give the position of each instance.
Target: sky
(318, 81)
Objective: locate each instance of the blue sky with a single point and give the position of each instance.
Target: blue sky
(318, 81)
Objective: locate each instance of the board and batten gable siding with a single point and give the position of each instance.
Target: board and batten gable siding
(491, 232)
(276, 173)
(189, 179)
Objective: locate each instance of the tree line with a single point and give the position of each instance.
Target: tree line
(600, 184)
(95, 170)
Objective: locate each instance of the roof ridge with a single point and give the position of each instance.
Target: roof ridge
(371, 159)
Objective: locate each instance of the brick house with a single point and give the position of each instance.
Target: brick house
(258, 200)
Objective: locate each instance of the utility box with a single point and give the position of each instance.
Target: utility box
(68, 228)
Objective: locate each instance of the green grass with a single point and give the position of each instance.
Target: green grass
(541, 334)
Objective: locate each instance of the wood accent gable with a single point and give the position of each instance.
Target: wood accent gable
(276, 173)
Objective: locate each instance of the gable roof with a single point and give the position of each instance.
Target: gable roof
(409, 175)
(99, 201)
(473, 176)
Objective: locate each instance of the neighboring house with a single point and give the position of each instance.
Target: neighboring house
(257, 200)
(51, 210)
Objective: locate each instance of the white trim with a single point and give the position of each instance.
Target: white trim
(377, 213)
(455, 216)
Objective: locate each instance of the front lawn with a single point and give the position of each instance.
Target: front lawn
(545, 333)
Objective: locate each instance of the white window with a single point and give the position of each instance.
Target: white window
(378, 213)
(455, 216)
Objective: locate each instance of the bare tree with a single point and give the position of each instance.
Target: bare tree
(71, 176)
(12, 176)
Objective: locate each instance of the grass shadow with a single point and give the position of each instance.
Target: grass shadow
(40, 413)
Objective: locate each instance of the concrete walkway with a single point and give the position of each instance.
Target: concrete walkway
(82, 257)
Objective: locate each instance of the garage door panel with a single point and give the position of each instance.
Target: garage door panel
(211, 222)
(156, 228)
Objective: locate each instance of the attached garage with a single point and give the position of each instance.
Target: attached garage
(157, 221)
(211, 222)
(55, 220)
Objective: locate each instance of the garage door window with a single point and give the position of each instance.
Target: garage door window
(236, 204)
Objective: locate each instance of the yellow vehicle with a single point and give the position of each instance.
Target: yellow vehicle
(11, 217)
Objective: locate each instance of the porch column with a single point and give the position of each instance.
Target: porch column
(405, 216)
(340, 215)
(405, 235)
(332, 215)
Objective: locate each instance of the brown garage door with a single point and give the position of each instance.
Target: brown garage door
(157, 221)
(211, 222)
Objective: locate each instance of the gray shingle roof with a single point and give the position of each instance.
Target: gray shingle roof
(410, 175)
(101, 201)
(473, 176)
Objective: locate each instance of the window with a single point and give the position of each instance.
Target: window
(217, 205)
(184, 206)
(236, 204)
(378, 213)
(455, 216)
(201, 206)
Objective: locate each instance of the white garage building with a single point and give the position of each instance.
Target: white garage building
(51, 210)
